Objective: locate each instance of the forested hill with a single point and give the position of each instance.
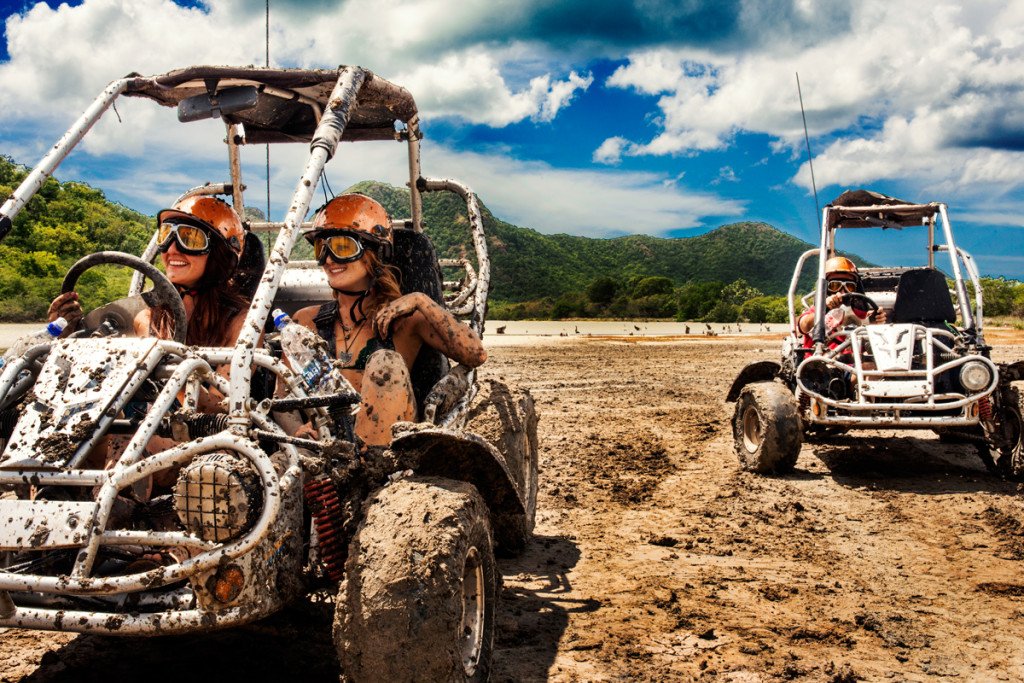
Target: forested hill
(528, 265)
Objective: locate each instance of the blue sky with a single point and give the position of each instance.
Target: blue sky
(596, 118)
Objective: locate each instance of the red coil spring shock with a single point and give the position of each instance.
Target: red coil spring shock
(985, 409)
(325, 506)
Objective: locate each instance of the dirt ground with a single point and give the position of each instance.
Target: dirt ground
(884, 558)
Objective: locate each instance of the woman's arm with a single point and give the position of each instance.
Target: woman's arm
(435, 326)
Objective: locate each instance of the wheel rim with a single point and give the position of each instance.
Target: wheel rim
(751, 430)
(473, 604)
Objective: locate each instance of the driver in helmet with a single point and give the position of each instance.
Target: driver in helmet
(841, 278)
(372, 328)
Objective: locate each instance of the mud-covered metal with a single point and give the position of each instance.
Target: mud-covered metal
(13, 205)
(900, 387)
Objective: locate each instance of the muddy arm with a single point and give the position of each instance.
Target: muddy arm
(436, 327)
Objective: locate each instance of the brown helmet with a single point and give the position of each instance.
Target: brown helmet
(215, 213)
(359, 215)
(840, 264)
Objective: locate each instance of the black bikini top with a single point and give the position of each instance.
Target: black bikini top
(324, 321)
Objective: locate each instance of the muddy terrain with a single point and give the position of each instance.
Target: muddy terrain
(882, 558)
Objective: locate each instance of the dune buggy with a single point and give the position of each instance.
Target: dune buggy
(926, 367)
(405, 537)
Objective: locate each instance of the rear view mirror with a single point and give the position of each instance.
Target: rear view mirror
(227, 101)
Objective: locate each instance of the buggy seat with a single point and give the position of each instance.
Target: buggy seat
(922, 296)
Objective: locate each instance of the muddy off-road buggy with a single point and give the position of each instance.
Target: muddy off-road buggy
(404, 537)
(926, 367)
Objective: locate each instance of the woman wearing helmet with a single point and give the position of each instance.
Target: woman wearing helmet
(199, 240)
(841, 278)
(375, 330)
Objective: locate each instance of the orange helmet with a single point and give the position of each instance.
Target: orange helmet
(356, 214)
(214, 213)
(840, 264)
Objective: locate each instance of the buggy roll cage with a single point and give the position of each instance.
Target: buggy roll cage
(865, 209)
(321, 107)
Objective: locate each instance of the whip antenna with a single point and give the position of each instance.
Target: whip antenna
(267, 43)
(810, 158)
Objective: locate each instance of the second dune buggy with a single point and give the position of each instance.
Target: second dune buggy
(927, 367)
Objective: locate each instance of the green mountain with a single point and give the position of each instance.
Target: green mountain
(528, 265)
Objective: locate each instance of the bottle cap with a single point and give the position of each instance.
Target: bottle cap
(56, 328)
(280, 318)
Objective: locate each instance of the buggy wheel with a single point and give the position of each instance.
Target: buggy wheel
(418, 598)
(766, 428)
(507, 418)
(1011, 455)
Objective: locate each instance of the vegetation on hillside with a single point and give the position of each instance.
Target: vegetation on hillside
(736, 272)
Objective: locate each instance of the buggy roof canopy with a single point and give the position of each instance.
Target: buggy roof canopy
(867, 209)
(289, 101)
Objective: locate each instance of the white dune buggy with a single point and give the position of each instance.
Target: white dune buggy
(255, 518)
(926, 367)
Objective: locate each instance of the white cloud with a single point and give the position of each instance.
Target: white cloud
(936, 87)
(610, 151)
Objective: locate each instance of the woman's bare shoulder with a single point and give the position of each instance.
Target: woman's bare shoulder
(141, 322)
(304, 316)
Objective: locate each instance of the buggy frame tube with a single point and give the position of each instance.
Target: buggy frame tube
(793, 284)
(961, 289)
(46, 166)
(325, 141)
(412, 130)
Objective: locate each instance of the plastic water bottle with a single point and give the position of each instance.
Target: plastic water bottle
(308, 355)
(47, 334)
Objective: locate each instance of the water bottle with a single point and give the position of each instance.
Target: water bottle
(308, 355)
(47, 334)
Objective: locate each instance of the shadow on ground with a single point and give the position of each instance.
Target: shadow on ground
(534, 611)
(909, 464)
(293, 645)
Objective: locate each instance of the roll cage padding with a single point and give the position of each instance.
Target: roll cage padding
(761, 371)
(416, 260)
(922, 296)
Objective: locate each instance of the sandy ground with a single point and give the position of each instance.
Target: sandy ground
(882, 558)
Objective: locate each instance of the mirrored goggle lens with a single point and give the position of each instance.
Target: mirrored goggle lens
(189, 237)
(840, 285)
(341, 247)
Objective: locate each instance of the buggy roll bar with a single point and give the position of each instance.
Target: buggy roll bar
(325, 141)
(873, 216)
(46, 166)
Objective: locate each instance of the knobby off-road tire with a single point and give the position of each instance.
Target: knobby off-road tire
(766, 428)
(1011, 458)
(507, 418)
(420, 587)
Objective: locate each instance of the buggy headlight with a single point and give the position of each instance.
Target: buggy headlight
(975, 375)
(217, 496)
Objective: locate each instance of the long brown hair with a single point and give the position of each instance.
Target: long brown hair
(217, 301)
(384, 290)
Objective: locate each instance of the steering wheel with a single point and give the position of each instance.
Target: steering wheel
(163, 293)
(854, 299)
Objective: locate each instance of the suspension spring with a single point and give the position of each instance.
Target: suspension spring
(328, 519)
(985, 409)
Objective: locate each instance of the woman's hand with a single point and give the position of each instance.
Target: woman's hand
(399, 308)
(66, 306)
(834, 301)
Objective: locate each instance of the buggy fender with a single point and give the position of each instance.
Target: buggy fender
(463, 456)
(1011, 372)
(761, 371)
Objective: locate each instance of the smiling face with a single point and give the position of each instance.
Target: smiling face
(353, 276)
(184, 270)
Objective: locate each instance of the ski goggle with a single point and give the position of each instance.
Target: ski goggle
(192, 240)
(835, 286)
(341, 248)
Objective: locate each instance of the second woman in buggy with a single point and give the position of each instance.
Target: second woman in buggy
(370, 326)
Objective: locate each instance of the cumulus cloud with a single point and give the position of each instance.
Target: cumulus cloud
(902, 90)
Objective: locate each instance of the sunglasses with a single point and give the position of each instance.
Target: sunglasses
(841, 285)
(192, 240)
(341, 248)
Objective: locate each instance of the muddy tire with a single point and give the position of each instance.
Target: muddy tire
(507, 418)
(766, 428)
(420, 587)
(1011, 457)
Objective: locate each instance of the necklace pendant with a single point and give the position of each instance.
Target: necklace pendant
(345, 358)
